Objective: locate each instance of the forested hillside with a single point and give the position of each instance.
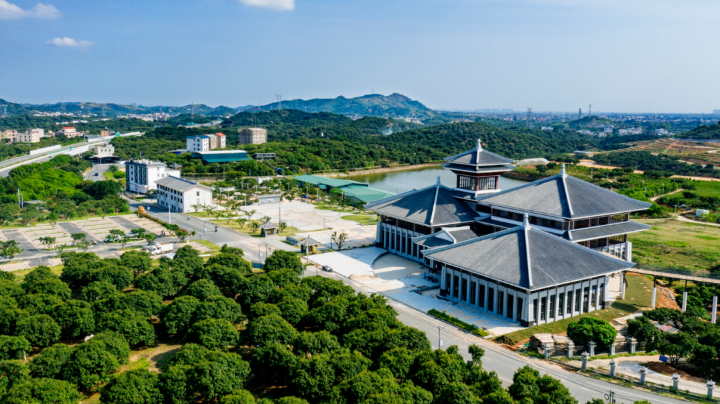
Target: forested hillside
(646, 161)
(704, 132)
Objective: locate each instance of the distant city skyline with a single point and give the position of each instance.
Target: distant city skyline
(554, 55)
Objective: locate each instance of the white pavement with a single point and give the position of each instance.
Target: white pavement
(396, 277)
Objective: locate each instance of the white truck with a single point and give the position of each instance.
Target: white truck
(157, 248)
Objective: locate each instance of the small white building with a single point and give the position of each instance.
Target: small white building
(104, 150)
(141, 175)
(31, 136)
(180, 195)
(199, 143)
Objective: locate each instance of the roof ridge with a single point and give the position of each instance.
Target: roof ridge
(563, 175)
(526, 227)
(434, 205)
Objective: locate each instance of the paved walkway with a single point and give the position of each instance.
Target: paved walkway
(397, 277)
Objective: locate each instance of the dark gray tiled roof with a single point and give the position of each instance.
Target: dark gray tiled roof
(530, 258)
(310, 242)
(497, 223)
(486, 158)
(564, 196)
(606, 231)
(178, 184)
(479, 169)
(432, 242)
(431, 206)
(268, 225)
(459, 234)
(462, 234)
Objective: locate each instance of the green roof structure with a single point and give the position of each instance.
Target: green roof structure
(352, 189)
(221, 156)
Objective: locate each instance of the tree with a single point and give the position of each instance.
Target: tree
(217, 376)
(250, 213)
(8, 211)
(50, 361)
(43, 390)
(642, 330)
(282, 225)
(39, 303)
(136, 261)
(47, 241)
(269, 329)
(196, 207)
(676, 346)
(54, 287)
(83, 245)
(183, 234)
(213, 334)
(39, 330)
(257, 289)
(321, 342)
(78, 237)
(118, 276)
(202, 289)
(238, 397)
(592, 329)
(115, 235)
(164, 282)
(150, 237)
(341, 238)
(75, 318)
(138, 233)
(59, 248)
(333, 238)
(29, 214)
(135, 328)
(89, 366)
(98, 290)
(281, 259)
(124, 240)
(13, 347)
(284, 277)
(219, 307)
(230, 261)
(254, 226)
(10, 289)
(114, 343)
(241, 222)
(293, 310)
(9, 249)
(178, 316)
(138, 386)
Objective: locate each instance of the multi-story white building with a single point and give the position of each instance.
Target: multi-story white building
(10, 134)
(141, 176)
(180, 195)
(39, 131)
(198, 143)
(104, 150)
(252, 136)
(31, 136)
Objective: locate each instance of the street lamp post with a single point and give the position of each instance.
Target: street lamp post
(440, 341)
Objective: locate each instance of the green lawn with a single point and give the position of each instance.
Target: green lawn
(672, 243)
(637, 296)
(367, 220)
(246, 229)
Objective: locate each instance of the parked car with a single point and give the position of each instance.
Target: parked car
(97, 174)
(327, 268)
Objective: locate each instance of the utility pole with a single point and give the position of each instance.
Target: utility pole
(279, 100)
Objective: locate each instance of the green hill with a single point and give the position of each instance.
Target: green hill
(703, 132)
(110, 109)
(392, 106)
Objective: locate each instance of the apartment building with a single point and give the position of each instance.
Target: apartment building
(10, 134)
(69, 131)
(179, 195)
(31, 136)
(141, 176)
(198, 143)
(252, 136)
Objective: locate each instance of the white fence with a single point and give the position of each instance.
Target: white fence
(44, 150)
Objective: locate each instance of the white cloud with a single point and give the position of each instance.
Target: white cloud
(285, 5)
(70, 43)
(9, 11)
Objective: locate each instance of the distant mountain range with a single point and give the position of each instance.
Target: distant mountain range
(392, 106)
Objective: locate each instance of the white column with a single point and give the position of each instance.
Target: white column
(684, 302)
(628, 248)
(622, 285)
(714, 309)
(652, 302)
(597, 293)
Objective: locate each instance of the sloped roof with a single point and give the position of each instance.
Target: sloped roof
(179, 184)
(268, 225)
(564, 196)
(530, 259)
(431, 206)
(333, 182)
(447, 236)
(310, 242)
(478, 169)
(478, 157)
(606, 231)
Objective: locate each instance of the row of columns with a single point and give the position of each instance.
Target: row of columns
(570, 293)
(497, 305)
(399, 241)
(684, 299)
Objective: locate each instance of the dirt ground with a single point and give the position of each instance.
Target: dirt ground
(668, 370)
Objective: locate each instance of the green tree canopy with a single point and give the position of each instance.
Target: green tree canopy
(138, 386)
(39, 330)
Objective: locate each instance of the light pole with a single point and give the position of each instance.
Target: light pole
(440, 341)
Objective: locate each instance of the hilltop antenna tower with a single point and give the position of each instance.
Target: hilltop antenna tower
(279, 100)
(529, 116)
(5, 109)
(590, 110)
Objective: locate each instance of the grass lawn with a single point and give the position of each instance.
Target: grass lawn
(672, 243)
(246, 229)
(207, 244)
(367, 220)
(637, 296)
(334, 208)
(20, 274)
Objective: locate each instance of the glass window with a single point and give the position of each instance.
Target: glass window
(491, 299)
(518, 316)
(463, 292)
(569, 302)
(473, 293)
(552, 306)
(561, 303)
(481, 301)
(510, 301)
(543, 307)
(456, 286)
(501, 300)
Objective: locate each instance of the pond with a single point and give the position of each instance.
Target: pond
(405, 180)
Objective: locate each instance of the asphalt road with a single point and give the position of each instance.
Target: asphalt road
(72, 228)
(16, 160)
(98, 169)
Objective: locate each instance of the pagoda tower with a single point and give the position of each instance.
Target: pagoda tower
(478, 171)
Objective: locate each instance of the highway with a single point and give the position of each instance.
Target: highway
(42, 157)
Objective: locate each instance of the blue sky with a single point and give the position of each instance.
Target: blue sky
(559, 55)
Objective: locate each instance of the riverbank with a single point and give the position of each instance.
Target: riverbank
(379, 170)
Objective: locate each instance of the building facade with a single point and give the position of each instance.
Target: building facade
(579, 230)
(141, 176)
(198, 143)
(69, 132)
(252, 136)
(179, 195)
(30, 136)
(10, 134)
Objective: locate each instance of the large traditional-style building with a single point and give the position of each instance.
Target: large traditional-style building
(544, 243)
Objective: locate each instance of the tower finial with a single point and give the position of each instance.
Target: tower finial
(562, 170)
(438, 181)
(526, 222)
(479, 145)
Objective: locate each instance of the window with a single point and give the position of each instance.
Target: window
(552, 306)
(586, 299)
(593, 296)
(577, 301)
(486, 183)
(561, 303)
(447, 282)
(198, 193)
(569, 302)
(535, 310)
(455, 286)
(466, 182)
(602, 295)
(463, 292)
(491, 299)
(510, 301)
(500, 305)
(473, 293)
(518, 316)
(543, 306)
(481, 301)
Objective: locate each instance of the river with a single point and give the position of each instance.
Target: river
(406, 180)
